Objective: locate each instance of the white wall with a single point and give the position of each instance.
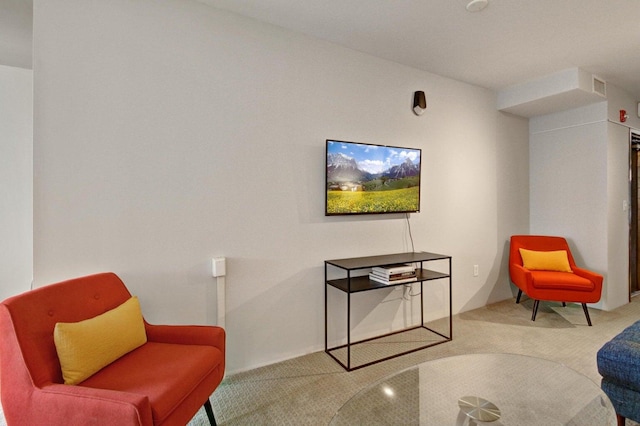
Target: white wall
(579, 183)
(16, 180)
(568, 178)
(168, 132)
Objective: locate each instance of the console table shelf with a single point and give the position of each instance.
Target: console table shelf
(422, 334)
(363, 283)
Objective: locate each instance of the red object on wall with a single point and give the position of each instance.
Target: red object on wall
(623, 115)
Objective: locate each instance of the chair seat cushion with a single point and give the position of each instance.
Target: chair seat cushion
(152, 370)
(560, 281)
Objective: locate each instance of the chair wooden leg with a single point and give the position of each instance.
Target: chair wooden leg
(621, 420)
(535, 310)
(586, 313)
(209, 410)
(519, 294)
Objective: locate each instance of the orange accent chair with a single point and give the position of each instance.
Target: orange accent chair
(163, 382)
(579, 286)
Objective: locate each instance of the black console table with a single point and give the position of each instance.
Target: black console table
(354, 278)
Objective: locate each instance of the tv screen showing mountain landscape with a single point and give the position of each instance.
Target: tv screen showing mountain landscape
(368, 179)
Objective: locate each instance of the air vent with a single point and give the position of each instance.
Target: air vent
(599, 86)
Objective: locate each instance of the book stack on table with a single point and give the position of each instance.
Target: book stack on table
(393, 274)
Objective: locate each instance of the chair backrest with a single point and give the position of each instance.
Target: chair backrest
(28, 355)
(537, 243)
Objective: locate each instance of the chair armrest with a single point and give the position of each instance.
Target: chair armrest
(82, 405)
(187, 335)
(590, 275)
(520, 276)
(595, 278)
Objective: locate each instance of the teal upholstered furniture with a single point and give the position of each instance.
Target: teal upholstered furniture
(619, 366)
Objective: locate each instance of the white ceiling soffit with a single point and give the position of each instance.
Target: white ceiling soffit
(560, 91)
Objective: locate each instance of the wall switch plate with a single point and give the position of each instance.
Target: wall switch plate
(476, 270)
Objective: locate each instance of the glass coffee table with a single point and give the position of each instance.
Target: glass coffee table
(481, 389)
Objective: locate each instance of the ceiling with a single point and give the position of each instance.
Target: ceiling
(507, 43)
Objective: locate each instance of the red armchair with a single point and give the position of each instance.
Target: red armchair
(579, 286)
(163, 382)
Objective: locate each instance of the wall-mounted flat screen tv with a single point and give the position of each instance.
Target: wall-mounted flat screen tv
(364, 178)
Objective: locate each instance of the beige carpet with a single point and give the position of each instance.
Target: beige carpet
(310, 389)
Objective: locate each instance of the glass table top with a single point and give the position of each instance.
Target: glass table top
(524, 390)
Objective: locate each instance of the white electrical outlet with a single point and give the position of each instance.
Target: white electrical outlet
(476, 270)
(218, 266)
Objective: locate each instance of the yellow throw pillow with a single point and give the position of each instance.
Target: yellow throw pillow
(545, 260)
(87, 346)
